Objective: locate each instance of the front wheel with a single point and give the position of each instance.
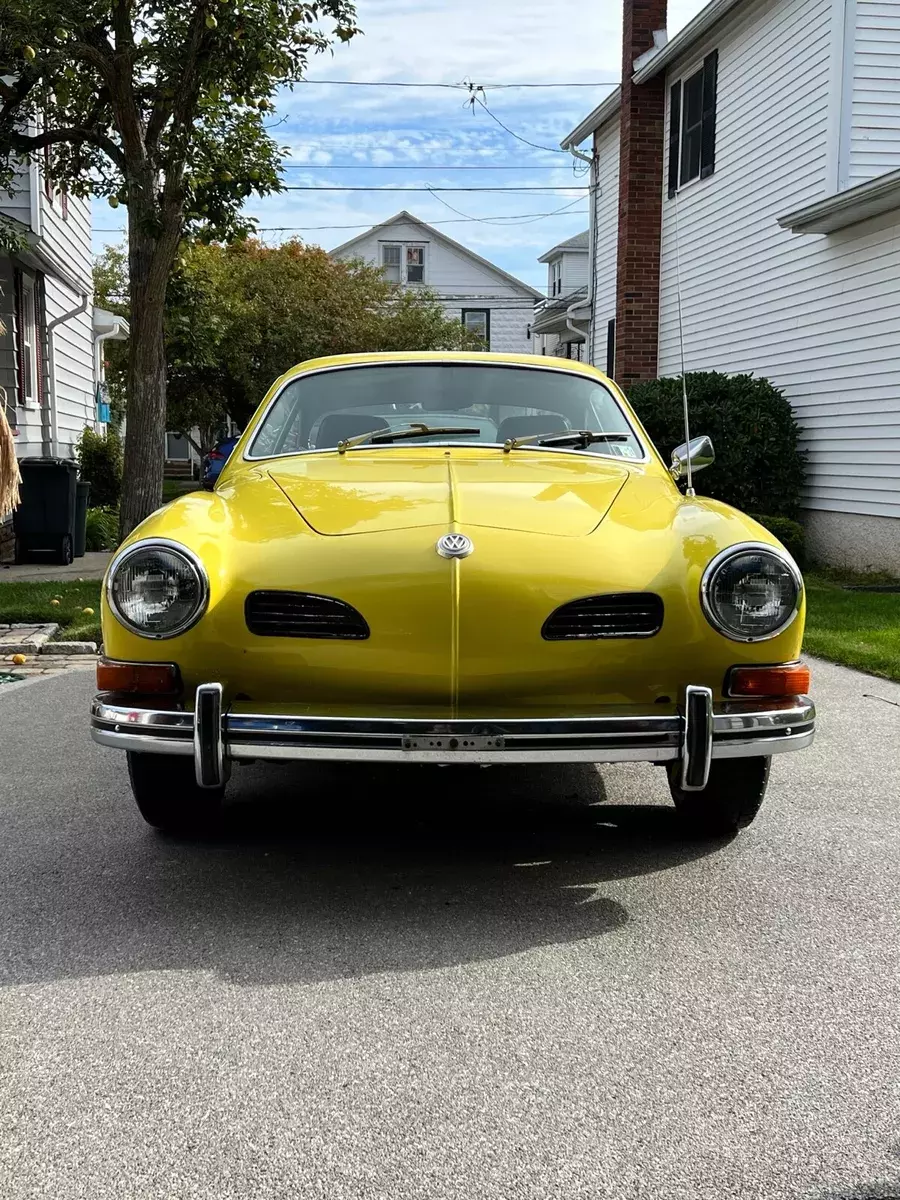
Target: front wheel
(166, 792)
(729, 802)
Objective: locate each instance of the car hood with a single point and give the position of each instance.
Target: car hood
(379, 491)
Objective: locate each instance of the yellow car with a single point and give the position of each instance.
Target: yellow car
(458, 558)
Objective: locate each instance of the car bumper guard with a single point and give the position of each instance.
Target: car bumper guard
(694, 736)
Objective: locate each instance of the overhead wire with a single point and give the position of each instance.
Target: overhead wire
(501, 220)
(511, 220)
(461, 86)
(522, 190)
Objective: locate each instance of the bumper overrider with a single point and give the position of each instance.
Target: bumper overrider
(695, 735)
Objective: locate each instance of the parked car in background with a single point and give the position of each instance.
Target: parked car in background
(216, 459)
(452, 558)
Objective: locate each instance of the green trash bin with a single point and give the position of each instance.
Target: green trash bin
(82, 498)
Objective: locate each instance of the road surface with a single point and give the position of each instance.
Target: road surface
(450, 984)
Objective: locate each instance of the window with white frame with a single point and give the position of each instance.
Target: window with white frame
(391, 258)
(477, 321)
(692, 124)
(556, 278)
(403, 262)
(415, 264)
(28, 344)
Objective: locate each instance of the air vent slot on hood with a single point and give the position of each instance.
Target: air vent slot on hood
(301, 615)
(625, 615)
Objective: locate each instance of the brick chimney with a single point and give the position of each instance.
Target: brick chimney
(640, 199)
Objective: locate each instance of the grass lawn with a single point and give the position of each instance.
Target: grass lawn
(856, 629)
(23, 601)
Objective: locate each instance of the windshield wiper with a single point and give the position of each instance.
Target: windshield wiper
(564, 437)
(415, 430)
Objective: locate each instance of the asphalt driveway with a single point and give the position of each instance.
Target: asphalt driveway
(450, 984)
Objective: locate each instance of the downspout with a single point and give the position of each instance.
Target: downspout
(51, 355)
(99, 338)
(588, 301)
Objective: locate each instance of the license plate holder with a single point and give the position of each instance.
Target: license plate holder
(453, 743)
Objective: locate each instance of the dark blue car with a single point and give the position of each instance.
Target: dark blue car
(216, 459)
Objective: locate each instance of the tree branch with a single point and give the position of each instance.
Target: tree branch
(185, 97)
(76, 135)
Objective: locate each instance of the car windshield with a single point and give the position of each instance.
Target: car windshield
(320, 410)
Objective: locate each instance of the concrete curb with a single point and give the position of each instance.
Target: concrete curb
(25, 637)
(67, 648)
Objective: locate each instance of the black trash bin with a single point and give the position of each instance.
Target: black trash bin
(44, 522)
(82, 499)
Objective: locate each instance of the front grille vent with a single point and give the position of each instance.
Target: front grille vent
(626, 615)
(300, 615)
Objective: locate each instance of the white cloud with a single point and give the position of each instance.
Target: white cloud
(421, 129)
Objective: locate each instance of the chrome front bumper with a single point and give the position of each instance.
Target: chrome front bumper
(695, 735)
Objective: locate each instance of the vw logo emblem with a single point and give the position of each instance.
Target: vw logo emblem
(454, 545)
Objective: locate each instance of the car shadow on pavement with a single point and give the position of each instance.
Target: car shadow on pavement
(333, 872)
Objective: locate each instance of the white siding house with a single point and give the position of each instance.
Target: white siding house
(561, 321)
(50, 364)
(48, 367)
(788, 249)
(488, 300)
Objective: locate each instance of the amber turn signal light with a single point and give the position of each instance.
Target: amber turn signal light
(791, 679)
(160, 679)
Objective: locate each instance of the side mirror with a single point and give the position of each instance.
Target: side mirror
(698, 451)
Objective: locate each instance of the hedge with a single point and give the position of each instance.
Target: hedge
(759, 466)
(790, 533)
(100, 463)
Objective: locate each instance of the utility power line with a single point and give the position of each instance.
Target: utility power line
(523, 190)
(412, 164)
(462, 86)
(511, 220)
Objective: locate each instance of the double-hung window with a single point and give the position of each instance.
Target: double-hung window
(477, 321)
(29, 351)
(402, 263)
(556, 278)
(692, 124)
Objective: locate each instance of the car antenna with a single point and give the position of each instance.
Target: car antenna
(689, 490)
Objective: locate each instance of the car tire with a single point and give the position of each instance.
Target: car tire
(729, 802)
(167, 795)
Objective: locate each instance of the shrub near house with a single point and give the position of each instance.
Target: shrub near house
(759, 466)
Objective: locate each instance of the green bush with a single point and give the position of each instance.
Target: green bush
(102, 529)
(790, 533)
(100, 463)
(758, 467)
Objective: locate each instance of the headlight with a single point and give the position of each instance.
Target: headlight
(157, 589)
(751, 592)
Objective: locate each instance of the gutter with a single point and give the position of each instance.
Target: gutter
(592, 123)
(869, 199)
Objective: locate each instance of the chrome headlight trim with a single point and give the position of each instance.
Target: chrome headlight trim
(181, 551)
(736, 551)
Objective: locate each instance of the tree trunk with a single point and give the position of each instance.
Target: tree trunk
(150, 257)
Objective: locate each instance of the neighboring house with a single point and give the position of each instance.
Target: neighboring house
(492, 304)
(756, 156)
(561, 321)
(51, 367)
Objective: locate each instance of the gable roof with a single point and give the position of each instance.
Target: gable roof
(403, 217)
(581, 241)
(651, 64)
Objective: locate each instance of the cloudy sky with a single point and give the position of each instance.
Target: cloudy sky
(399, 138)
